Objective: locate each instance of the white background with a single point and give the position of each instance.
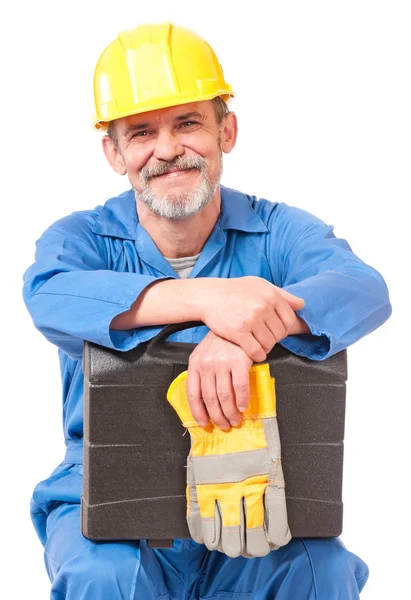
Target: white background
(324, 105)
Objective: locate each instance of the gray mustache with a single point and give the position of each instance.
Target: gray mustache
(180, 163)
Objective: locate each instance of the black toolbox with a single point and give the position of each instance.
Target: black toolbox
(135, 451)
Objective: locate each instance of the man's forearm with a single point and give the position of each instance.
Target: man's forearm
(175, 301)
(163, 302)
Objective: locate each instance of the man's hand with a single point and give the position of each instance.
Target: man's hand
(249, 311)
(218, 386)
(218, 382)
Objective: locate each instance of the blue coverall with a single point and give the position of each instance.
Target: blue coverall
(91, 266)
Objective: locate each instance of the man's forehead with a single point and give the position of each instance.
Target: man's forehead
(202, 108)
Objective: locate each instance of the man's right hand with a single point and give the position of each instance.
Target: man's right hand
(250, 312)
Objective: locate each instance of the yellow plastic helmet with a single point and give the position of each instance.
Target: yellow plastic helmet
(155, 66)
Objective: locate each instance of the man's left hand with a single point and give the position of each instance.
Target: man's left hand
(218, 386)
(218, 381)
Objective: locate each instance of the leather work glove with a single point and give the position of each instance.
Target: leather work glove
(235, 484)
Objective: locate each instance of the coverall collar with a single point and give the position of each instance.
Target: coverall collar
(119, 218)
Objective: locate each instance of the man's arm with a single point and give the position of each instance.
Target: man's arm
(175, 301)
(73, 295)
(345, 298)
(260, 313)
(163, 301)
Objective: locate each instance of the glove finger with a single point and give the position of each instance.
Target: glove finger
(194, 517)
(232, 537)
(193, 508)
(266, 519)
(256, 542)
(244, 553)
(276, 516)
(220, 545)
(211, 529)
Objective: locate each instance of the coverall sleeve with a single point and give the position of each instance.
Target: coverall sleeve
(73, 295)
(345, 299)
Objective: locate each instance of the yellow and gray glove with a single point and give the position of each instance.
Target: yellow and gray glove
(235, 484)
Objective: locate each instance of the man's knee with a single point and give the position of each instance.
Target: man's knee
(335, 568)
(111, 571)
(80, 568)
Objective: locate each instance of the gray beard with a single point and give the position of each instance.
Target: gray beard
(180, 206)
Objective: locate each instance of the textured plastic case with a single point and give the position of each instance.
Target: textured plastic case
(135, 451)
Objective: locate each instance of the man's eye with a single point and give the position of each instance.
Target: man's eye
(141, 134)
(188, 123)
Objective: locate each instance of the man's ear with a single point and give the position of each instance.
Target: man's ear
(228, 132)
(113, 155)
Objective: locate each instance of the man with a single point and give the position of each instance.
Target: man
(177, 247)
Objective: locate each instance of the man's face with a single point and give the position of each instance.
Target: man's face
(172, 156)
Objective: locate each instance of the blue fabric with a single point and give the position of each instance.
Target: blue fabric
(92, 265)
(305, 569)
(79, 569)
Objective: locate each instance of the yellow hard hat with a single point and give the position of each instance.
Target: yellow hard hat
(155, 66)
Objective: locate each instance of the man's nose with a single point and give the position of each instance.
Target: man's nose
(168, 146)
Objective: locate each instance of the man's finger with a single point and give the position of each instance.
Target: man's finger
(287, 317)
(295, 302)
(241, 384)
(226, 396)
(251, 346)
(193, 391)
(211, 401)
(265, 336)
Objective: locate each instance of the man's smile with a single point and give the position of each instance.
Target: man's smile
(175, 174)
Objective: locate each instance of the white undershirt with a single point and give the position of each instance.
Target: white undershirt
(183, 266)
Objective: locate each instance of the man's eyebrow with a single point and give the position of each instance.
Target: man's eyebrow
(190, 115)
(141, 126)
(135, 127)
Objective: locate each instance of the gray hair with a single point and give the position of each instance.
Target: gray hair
(220, 108)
